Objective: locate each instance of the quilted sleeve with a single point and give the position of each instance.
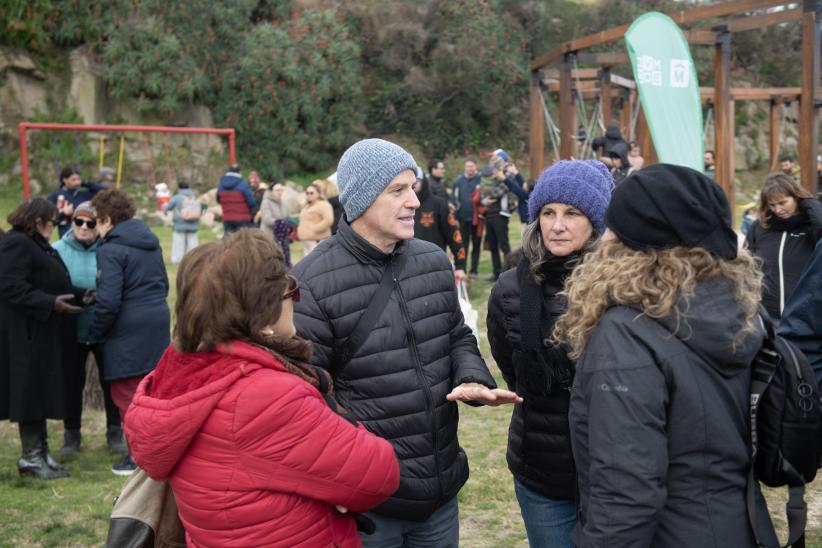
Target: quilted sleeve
(290, 441)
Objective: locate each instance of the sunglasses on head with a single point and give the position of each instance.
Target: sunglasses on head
(91, 223)
(293, 292)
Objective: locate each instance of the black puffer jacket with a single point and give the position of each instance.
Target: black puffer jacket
(418, 351)
(539, 442)
(659, 415)
(785, 247)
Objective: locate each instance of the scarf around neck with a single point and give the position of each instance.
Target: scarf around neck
(544, 366)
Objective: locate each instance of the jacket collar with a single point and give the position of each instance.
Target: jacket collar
(361, 249)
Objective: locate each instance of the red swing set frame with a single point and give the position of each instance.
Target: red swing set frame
(24, 127)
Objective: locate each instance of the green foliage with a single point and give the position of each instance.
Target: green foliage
(144, 62)
(38, 25)
(51, 151)
(209, 33)
(23, 23)
(293, 93)
(450, 75)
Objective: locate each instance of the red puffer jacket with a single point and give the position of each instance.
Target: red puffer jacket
(253, 453)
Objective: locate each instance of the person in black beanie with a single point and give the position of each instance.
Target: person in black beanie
(663, 321)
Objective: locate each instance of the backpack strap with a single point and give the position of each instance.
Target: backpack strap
(795, 509)
(369, 318)
(764, 368)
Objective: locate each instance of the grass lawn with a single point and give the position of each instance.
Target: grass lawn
(75, 511)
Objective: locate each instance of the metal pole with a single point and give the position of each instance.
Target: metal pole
(24, 159)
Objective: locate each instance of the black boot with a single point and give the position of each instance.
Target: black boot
(53, 464)
(71, 442)
(33, 461)
(114, 439)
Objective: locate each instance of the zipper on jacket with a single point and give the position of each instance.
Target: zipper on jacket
(782, 274)
(429, 398)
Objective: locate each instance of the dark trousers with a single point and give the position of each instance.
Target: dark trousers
(496, 234)
(234, 226)
(77, 382)
(468, 231)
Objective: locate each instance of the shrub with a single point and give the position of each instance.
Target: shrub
(293, 92)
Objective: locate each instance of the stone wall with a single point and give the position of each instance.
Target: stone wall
(75, 82)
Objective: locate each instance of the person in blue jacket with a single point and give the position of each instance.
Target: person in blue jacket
(78, 250)
(131, 319)
(184, 231)
(802, 318)
(73, 191)
(519, 188)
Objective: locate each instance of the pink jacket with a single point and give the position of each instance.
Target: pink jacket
(253, 453)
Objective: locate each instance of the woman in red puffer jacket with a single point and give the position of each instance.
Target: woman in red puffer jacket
(254, 446)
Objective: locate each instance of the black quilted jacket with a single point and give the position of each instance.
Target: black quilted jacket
(539, 440)
(417, 352)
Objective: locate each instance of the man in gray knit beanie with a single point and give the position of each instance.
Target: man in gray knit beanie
(401, 373)
(364, 171)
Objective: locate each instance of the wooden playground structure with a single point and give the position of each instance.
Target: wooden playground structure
(574, 85)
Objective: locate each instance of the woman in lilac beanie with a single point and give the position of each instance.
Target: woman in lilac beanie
(567, 212)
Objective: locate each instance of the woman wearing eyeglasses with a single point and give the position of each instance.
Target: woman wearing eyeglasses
(37, 332)
(78, 250)
(250, 437)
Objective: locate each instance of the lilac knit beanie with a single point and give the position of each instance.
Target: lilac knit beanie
(584, 184)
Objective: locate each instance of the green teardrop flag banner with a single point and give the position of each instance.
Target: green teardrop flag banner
(668, 89)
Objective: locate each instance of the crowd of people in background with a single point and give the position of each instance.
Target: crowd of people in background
(623, 326)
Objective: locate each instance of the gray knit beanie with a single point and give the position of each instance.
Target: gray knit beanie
(364, 171)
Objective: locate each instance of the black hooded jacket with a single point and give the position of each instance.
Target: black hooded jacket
(434, 222)
(612, 137)
(620, 150)
(131, 315)
(785, 247)
(418, 351)
(539, 441)
(660, 429)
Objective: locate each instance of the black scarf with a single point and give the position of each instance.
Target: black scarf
(543, 366)
(787, 225)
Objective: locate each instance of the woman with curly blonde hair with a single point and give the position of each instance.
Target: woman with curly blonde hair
(663, 318)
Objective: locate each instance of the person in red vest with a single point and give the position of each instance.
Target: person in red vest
(235, 196)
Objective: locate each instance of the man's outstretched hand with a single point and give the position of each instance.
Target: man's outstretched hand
(472, 391)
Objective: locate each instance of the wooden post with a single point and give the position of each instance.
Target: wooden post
(645, 140)
(808, 113)
(625, 114)
(773, 141)
(536, 133)
(567, 111)
(605, 94)
(723, 142)
(731, 191)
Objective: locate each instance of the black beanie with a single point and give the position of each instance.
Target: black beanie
(664, 205)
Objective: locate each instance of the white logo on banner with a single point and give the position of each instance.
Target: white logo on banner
(649, 70)
(680, 73)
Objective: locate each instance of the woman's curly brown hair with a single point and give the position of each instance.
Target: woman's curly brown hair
(657, 280)
(115, 205)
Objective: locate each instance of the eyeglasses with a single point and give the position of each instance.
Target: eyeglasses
(91, 223)
(293, 292)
